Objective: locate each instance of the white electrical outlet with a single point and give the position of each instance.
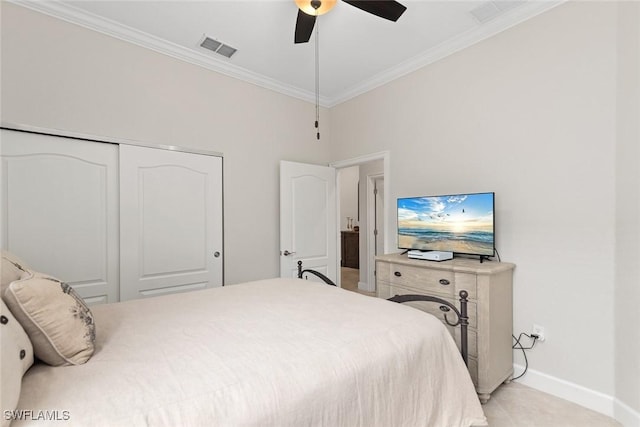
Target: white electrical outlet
(539, 331)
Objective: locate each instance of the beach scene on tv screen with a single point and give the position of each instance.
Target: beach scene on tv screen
(458, 223)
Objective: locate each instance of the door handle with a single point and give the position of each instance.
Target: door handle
(287, 253)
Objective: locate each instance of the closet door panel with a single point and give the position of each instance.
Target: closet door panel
(169, 247)
(171, 221)
(60, 209)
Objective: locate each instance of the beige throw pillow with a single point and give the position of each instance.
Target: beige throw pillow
(16, 356)
(57, 320)
(11, 269)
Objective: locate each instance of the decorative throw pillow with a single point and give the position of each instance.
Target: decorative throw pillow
(57, 320)
(12, 268)
(16, 356)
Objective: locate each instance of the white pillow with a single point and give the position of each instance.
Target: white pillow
(57, 320)
(12, 268)
(15, 358)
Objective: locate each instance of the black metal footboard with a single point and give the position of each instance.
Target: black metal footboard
(462, 318)
(324, 278)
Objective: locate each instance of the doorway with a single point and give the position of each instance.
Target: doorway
(361, 216)
(349, 226)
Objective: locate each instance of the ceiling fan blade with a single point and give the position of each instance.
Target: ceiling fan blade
(387, 9)
(304, 27)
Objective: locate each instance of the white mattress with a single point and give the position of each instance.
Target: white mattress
(278, 352)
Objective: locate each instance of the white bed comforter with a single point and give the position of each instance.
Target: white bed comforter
(278, 352)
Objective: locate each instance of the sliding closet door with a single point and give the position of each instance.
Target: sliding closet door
(60, 209)
(171, 221)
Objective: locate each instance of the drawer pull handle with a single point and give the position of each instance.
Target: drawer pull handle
(445, 308)
(444, 282)
(398, 274)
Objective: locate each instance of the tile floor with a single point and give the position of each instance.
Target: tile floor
(349, 280)
(516, 405)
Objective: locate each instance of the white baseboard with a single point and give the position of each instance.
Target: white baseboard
(580, 395)
(363, 286)
(625, 414)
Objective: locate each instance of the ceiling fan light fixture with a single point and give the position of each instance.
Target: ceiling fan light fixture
(315, 7)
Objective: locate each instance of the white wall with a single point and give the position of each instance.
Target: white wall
(62, 76)
(530, 114)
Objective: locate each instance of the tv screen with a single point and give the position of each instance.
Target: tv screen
(460, 223)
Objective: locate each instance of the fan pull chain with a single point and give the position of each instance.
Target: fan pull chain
(318, 79)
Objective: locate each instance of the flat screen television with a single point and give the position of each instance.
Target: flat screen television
(459, 223)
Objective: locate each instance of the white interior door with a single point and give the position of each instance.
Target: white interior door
(60, 209)
(171, 221)
(308, 230)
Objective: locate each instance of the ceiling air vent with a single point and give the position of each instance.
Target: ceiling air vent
(218, 47)
(491, 9)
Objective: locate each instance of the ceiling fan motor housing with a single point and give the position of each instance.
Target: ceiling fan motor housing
(310, 9)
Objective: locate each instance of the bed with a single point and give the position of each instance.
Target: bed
(275, 352)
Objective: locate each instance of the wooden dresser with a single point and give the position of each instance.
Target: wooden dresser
(350, 243)
(490, 308)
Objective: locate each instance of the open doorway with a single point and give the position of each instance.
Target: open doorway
(361, 218)
(349, 213)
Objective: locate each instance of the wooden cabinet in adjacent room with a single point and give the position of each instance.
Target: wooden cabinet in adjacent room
(350, 249)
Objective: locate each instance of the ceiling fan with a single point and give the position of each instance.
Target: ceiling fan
(309, 10)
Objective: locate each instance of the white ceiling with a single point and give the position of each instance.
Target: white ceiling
(358, 51)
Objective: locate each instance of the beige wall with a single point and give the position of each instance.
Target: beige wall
(627, 333)
(348, 180)
(62, 76)
(530, 114)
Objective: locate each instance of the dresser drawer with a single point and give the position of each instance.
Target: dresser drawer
(388, 290)
(441, 282)
(429, 281)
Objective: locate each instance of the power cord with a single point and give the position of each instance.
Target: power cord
(534, 338)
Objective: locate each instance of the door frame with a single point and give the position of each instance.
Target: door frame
(371, 224)
(356, 161)
(105, 139)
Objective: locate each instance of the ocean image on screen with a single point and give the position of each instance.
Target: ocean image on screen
(457, 223)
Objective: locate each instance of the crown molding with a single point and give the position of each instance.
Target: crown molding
(501, 23)
(111, 28)
(105, 26)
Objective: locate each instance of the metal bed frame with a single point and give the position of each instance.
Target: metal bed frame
(461, 319)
